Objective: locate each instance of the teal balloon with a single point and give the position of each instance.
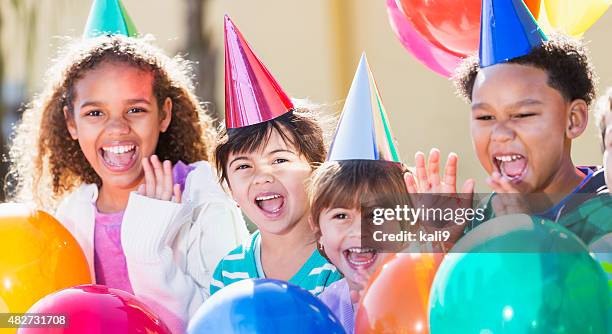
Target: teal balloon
(601, 249)
(515, 275)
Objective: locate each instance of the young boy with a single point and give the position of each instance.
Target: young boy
(267, 153)
(530, 98)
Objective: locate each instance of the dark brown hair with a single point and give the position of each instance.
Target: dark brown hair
(564, 59)
(47, 162)
(298, 128)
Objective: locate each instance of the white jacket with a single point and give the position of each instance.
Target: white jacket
(171, 249)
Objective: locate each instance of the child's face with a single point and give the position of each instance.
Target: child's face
(341, 232)
(269, 185)
(518, 125)
(117, 121)
(607, 157)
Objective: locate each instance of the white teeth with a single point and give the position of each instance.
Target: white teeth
(119, 149)
(508, 158)
(360, 250)
(265, 198)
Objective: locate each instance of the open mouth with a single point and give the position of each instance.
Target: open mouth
(119, 157)
(511, 166)
(358, 257)
(270, 203)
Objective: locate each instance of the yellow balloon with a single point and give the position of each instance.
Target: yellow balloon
(38, 256)
(574, 17)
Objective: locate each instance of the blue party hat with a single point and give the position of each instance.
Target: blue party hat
(109, 17)
(363, 132)
(507, 31)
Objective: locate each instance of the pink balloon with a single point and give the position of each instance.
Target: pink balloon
(95, 309)
(436, 59)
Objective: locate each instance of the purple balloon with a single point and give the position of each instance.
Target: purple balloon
(437, 60)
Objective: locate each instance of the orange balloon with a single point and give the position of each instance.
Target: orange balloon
(38, 256)
(534, 7)
(396, 300)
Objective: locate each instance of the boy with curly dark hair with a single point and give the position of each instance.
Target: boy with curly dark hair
(527, 108)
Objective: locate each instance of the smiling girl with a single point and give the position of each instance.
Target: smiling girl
(120, 139)
(266, 154)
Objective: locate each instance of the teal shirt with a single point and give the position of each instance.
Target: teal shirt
(241, 263)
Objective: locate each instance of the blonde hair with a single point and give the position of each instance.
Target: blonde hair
(46, 162)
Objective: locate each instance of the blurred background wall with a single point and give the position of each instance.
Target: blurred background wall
(311, 46)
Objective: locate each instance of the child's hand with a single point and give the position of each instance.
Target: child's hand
(428, 181)
(506, 204)
(159, 182)
(361, 279)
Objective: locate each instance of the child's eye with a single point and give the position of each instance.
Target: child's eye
(135, 110)
(94, 113)
(484, 118)
(341, 216)
(280, 160)
(524, 115)
(243, 166)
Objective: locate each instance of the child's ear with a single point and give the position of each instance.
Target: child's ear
(166, 113)
(70, 123)
(578, 118)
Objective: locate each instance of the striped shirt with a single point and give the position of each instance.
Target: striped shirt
(241, 263)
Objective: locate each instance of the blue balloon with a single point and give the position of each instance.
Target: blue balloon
(263, 306)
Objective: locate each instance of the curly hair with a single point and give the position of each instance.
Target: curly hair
(46, 162)
(565, 60)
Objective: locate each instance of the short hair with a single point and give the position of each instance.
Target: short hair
(602, 108)
(298, 128)
(356, 184)
(564, 59)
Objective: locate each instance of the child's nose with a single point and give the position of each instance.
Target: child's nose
(502, 132)
(355, 228)
(118, 126)
(263, 175)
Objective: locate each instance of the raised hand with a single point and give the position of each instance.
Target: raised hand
(440, 192)
(429, 181)
(507, 201)
(159, 182)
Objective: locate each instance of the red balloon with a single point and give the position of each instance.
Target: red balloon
(396, 300)
(96, 309)
(436, 59)
(452, 25)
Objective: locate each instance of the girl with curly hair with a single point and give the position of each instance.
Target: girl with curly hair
(120, 139)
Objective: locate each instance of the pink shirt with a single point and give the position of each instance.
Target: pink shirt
(109, 260)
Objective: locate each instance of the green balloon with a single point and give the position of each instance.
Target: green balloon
(514, 275)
